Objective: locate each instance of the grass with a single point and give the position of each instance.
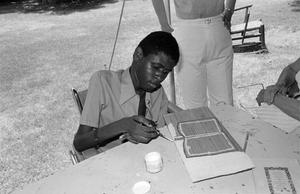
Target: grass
(44, 54)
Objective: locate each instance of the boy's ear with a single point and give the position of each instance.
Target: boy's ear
(138, 54)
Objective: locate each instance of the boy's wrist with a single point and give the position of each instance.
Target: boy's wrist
(96, 138)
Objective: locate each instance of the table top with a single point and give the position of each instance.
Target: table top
(118, 169)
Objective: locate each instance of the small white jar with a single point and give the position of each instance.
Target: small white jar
(153, 162)
(142, 187)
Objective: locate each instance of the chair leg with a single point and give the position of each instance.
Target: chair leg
(74, 158)
(262, 36)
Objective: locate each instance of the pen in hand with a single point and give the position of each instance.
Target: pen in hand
(154, 124)
(160, 134)
(163, 136)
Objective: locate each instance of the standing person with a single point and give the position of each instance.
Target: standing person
(203, 34)
(128, 102)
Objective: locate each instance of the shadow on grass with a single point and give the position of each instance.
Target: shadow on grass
(65, 7)
(252, 47)
(296, 5)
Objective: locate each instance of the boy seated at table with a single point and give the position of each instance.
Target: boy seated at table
(128, 103)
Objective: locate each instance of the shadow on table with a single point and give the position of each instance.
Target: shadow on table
(296, 5)
(63, 7)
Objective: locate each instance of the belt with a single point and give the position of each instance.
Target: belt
(208, 20)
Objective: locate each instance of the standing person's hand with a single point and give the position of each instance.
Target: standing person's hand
(138, 129)
(227, 18)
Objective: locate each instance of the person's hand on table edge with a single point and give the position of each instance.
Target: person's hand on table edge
(267, 95)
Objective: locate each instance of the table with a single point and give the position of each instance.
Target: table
(118, 169)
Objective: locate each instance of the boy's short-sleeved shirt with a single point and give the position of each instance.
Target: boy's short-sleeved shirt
(111, 97)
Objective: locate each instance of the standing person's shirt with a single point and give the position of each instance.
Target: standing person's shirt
(111, 97)
(195, 9)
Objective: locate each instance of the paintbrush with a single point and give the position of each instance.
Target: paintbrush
(154, 124)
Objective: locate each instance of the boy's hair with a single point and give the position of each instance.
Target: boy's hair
(160, 41)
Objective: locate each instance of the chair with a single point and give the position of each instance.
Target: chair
(76, 157)
(79, 98)
(248, 30)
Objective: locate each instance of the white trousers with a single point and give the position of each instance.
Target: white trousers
(205, 66)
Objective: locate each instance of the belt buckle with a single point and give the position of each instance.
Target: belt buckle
(208, 20)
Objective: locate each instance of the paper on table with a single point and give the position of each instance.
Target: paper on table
(276, 175)
(208, 166)
(277, 118)
(205, 137)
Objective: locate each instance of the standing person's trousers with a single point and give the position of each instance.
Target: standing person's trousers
(205, 67)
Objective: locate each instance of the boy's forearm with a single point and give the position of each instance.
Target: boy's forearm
(97, 136)
(109, 132)
(85, 141)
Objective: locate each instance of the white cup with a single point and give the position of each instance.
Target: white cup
(153, 162)
(142, 187)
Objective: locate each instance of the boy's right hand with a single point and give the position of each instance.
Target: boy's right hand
(139, 129)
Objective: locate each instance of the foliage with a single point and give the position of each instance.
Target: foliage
(58, 6)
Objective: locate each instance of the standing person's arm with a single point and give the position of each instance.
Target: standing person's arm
(161, 13)
(287, 76)
(228, 12)
(287, 105)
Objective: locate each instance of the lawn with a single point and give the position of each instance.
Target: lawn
(44, 54)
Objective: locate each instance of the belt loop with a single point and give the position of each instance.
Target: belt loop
(208, 20)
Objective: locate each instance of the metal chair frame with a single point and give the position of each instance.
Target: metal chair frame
(247, 26)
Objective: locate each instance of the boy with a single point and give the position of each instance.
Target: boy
(128, 102)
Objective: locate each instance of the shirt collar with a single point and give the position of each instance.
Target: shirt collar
(128, 91)
(127, 88)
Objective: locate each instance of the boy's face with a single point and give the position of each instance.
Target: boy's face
(152, 70)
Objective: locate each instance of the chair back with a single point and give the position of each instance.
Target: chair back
(76, 157)
(79, 98)
(246, 25)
